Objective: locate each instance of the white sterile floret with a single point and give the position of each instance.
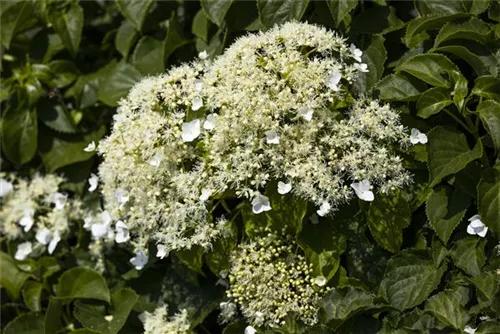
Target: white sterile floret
(363, 190)
(93, 182)
(139, 260)
(284, 188)
(161, 251)
(205, 194)
(333, 80)
(198, 85)
(23, 250)
(260, 203)
(417, 137)
(103, 227)
(122, 197)
(469, 330)
(476, 226)
(306, 113)
(159, 322)
(197, 103)
(90, 147)
(203, 55)
(362, 67)
(324, 209)
(320, 280)
(27, 220)
(59, 200)
(272, 137)
(5, 187)
(53, 242)
(122, 232)
(43, 236)
(210, 122)
(356, 53)
(191, 130)
(250, 330)
(156, 160)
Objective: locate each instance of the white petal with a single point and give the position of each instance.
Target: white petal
(210, 122)
(156, 160)
(320, 280)
(106, 217)
(122, 232)
(161, 251)
(272, 137)
(27, 221)
(93, 181)
(417, 137)
(99, 230)
(422, 138)
(332, 80)
(306, 113)
(250, 330)
(205, 194)
(477, 223)
(469, 330)
(203, 55)
(197, 103)
(470, 230)
(361, 67)
(122, 197)
(367, 196)
(139, 260)
(475, 217)
(88, 221)
(53, 243)
(362, 190)
(23, 250)
(284, 188)
(191, 130)
(482, 234)
(43, 236)
(364, 185)
(198, 85)
(59, 200)
(356, 53)
(5, 187)
(90, 147)
(324, 209)
(260, 203)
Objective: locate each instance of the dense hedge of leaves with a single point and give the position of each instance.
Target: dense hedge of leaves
(400, 264)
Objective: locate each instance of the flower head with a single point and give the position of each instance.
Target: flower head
(417, 137)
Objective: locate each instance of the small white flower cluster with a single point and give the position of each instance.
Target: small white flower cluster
(36, 212)
(269, 280)
(159, 323)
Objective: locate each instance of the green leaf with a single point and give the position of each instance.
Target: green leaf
(53, 115)
(192, 258)
(446, 307)
(409, 279)
(486, 285)
(487, 87)
(399, 87)
(148, 56)
(476, 7)
(341, 304)
(217, 259)
(135, 10)
(216, 10)
(201, 25)
(441, 7)
(65, 72)
(424, 23)
(32, 295)
(488, 196)
(69, 26)
(12, 18)
(481, 60)
(488, 327)
(387, 217)
(433, 101)
(445, 209)
(28, 323)
(494, 11)
(216, 44)
(118, 83)
(448, 153)
(376, 20)
(460, 91)
(489, 112)
(125, 38)
(374, 56)
(340, 9)
(84, 283)
(468, 255)
(19, 134)
(474, 29)
(434, 69)
(174, 39)
(12, 279)
(280, 11)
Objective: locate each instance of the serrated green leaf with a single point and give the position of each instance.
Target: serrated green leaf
(473, 29)
(216, 10)
(475, 7)
(280, 11)
(13, 15)
(65, 72)
(446, 307)
(135, 10)
(125, 38)
(29, 323)
(387, 217)
(487, 87)
(340, 9)
(468, 255)
(399, 87)
(448, 153)
(83, 283)
(488, 196)
(19, 134)
(489, 112)
(460, 91)
(174, 39)
(434, 69)
(12, 278)
(488, 327)
(32, 295)
(418, 321)
(69, 26)
(486, 285)
(477, 56)
(376, 20)
(192, 258)
(118, 83)
(148, 56)
(441, 7)
(433, 101)
(494, 11)
(409, 279)
(374, 56)
(445, 209)
(53, 115)
(338, 305)
(54, 315)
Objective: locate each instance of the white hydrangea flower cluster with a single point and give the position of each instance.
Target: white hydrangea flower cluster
(36, 212)
(269, 280)
(159, 323)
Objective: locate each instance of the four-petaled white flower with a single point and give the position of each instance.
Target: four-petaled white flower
(306, 113)
(161, 251)
(203, 55)
(332, 80)
(102, 228)
(190, 130)
(272, 137)
(27, 220)
(284, 188)
(205, 194)
(476, 226)
(356, 53)
(90, 147)
(250, 330)
(260, 203)
(43, 236)
(361, 67)
(122, 233)
(198, 85)
(139, 260)
(122, 197)
(469, 330)
(320, 280)
(156, 160)
(324, 209)
(210, 122)
(93, 181)
(417, 137)
(197, 103)
(5, 187)
(53, 243)
(23, 250)
(59, 200)
(362, 190)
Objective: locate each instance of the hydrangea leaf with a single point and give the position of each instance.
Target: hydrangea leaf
(125, 38)
(192, 258)
(340, 9)
(117, 83)
(488, 196)
(69, 26)
(201, 25)
(148, 56)
(53, 115)
(13, 16)
(32, 295)
(83, 283)
(441, 7)
(446, 307)
(434, 69)
(28, 323)
(468, 255)
(65, 72)
(135, 10)
(19, 134)
(473, 29)
(217, 259)
(374, 56)
(445, 208)
(280, 11)
(174, 39)
(387, 217)
(494, 11)
(477, 56)
(216, 10)
(376, 20)
(476, 7)
(54, 315)
(433, 101)
(12, 278)
(487, 87)
(399, 87)
(486, 285)
(418, 320)
(410, 278)
(489, 112)
(488, 327)
(448, 153)
(460, 91)
(340, 304)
